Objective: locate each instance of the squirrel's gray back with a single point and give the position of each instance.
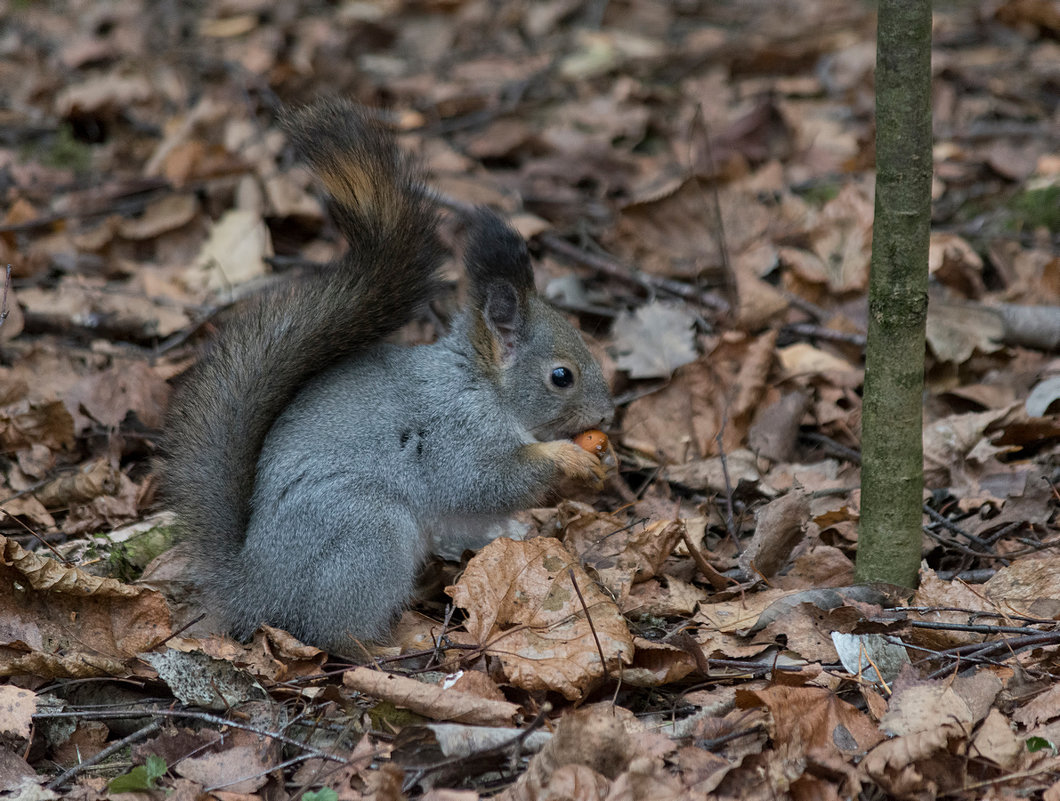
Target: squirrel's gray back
(412, 423)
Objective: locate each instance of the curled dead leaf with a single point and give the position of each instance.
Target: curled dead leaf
(67, 622)
(779, 527)
(90, 481)
(431, 700)
(25, 424)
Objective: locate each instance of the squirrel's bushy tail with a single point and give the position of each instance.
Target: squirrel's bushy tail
(220, 416)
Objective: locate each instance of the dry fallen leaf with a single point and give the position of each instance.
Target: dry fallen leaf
(672, 230)
(934, 592)
(956, 331)
(12, 323)
(1041, 709)
(127, 386)
(523, 609)
(657, 663)
(664, 138)
(235, 252)
(1025, 582)
(90, 304)
(197, 679)
(803, 359)
(168, 213)
(592, 751)
(953, 262)
(90, 481)
(29, 507)
(918, 765)
(618, 554)
(16, 712)
(63, 621)
(814, 720)
(712, 475)
(238, 769)
(921, 707)
(1043, 397)
(843, 238)
(104, 91)
(956, 449)
(654, 340)
(996, 741)
(677, 423)
(731, 616)
(775, 429)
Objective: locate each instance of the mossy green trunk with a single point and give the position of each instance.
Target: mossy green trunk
(892, 474)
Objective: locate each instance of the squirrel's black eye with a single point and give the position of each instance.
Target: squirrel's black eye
(562, 377)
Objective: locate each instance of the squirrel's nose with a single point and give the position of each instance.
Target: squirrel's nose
(607, 418)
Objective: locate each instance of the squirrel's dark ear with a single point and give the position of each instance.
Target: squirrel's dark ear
(502, 280)
(503, 317)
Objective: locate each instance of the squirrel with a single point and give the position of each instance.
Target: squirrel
(312, 466)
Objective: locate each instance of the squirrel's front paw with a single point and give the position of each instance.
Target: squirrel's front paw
(573, 461)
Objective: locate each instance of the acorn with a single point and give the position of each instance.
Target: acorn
(594, 441)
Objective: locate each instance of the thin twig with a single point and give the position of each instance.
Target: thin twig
(43, 541)
(829, 444)
(589, 620)
(864, 654)
(3, 302)
(715, 208)
(812, 331)
(179, 631)
(630, 275)
(751, 667)
(980, 576)
(974, 613)
(949, 525)
(515, 742)
(120, 714)
(1048, 767)
(442, 638)
(730, 521)
(714, 742)
(803, 305)
(978, 628)
(956, 546)
(1013, 645)
(95, 759)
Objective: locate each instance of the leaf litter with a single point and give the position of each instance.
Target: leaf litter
(696, 181)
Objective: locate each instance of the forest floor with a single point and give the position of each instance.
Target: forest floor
(696, 183)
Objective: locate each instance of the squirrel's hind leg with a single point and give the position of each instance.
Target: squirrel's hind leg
(350, 578)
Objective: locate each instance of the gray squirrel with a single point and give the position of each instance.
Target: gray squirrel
(313, 467)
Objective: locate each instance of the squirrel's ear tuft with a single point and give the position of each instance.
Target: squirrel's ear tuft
(502, 281)
(495, 253)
